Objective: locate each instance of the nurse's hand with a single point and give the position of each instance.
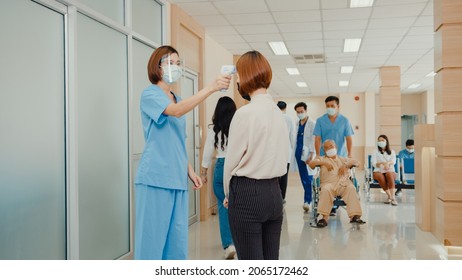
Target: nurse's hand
(225, 203)
(194, 178)
(221, 82)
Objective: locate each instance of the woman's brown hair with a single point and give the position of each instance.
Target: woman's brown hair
(254, 72)
(154, 70)
(387, 147)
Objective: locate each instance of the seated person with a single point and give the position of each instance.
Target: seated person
(383, 160)
(335, 181)
(405, 153)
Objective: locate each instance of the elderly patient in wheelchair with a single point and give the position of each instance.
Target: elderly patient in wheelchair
(335, 181)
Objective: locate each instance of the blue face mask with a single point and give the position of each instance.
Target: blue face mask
(331, 111)
(171, 73)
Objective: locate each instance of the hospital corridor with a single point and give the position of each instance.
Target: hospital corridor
(230, 130)
(390, 233)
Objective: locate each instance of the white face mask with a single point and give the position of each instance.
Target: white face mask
(332, 152)
(410, 150)
(171, 73)
(331, 111)
(301, 116)
(382, 144)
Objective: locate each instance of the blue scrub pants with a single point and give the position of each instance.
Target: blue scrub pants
(305, 178)
(219, 191)
(161, 229)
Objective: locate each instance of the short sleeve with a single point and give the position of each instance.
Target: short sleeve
(348, 129)
(153, 103)
(317, 128)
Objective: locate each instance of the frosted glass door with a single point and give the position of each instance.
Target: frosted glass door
(32, 129)
(188, 88)
(102, 106)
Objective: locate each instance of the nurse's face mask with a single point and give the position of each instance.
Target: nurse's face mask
(172, 68)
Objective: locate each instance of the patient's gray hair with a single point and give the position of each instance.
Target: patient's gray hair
(329, 140)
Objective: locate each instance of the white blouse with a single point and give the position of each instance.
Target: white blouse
(258, 144)
(379, 157)
(209, 148)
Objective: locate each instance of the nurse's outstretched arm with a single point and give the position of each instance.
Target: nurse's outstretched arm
(186, 105)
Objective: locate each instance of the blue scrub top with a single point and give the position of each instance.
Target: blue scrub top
(405, 154)
(336, 131)
(164, 162)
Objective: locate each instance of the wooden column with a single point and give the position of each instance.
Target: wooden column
(448, 125)
(390, 105)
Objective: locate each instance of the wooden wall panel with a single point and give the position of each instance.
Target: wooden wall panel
(449, 134)
(448, 186)
(390, 76)
(448, 43)
(446, 11)
(390, 115)
(449, 222)
(390, 96)
(448, 81)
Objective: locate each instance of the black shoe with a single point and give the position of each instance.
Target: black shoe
(398, 192)
(357, 219)
(321, 223)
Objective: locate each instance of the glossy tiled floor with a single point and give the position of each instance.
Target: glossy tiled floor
(390, 232)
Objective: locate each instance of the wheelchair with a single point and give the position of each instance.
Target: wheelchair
(316, 190)
(370, 183)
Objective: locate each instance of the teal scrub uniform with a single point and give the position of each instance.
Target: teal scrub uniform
(161, 191)
(336, 131)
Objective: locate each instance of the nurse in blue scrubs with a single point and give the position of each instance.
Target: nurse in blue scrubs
(161, 184)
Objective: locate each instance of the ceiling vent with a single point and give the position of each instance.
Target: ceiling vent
(309, 58)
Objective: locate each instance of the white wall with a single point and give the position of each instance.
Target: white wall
(214, 57)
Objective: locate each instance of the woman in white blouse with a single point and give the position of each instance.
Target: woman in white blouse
(383, 161)
(217, 140)
(258, 149)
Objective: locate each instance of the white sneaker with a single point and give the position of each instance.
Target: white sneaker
(306, 207)
(230, 252)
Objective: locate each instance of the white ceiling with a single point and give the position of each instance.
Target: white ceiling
(393, 32)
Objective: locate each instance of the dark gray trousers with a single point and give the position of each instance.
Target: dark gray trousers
(255, 217)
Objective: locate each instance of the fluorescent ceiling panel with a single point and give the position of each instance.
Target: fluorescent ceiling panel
(346, 69)
(279, 48)
(293, 71)
(361, 3)
(352, 45)
(301, 84)
(343, 83)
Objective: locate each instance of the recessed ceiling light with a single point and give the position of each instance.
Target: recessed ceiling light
(346, 69)
(352, 45)
(361, 3)
(431, 74)
(302, 84)
(343, 83)
(279, 48)
(293, 71)
(414, 86)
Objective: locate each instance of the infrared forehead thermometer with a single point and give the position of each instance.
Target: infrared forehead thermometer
(227, 70)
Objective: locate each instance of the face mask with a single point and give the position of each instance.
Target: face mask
(301, 116)
(410, 150)
(171, 73)
(243, 94)
(382, 144)
(332, 152)
(331, 111)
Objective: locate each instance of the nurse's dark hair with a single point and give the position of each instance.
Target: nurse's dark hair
(332, 98)
(387, 147)
(224, 112)
(154, 70)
